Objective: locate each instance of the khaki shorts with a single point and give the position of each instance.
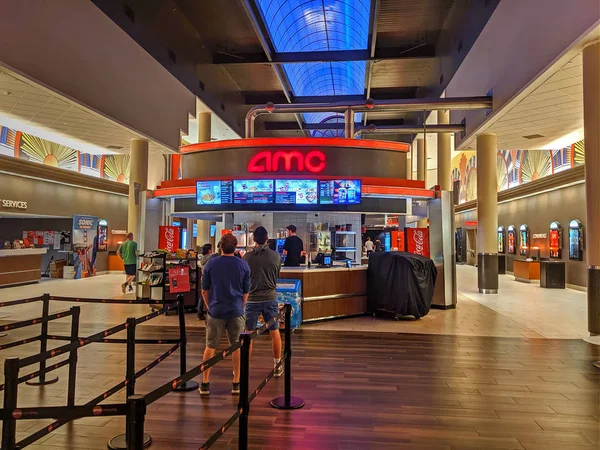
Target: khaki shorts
(215, 328)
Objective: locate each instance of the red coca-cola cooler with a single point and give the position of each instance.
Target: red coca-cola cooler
(417, 241)
(168, 238)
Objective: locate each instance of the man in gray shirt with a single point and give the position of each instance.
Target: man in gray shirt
(265, 265)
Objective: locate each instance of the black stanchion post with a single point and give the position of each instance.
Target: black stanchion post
(75, 312)
(130, 367)
(11, 384)
(287, 401)
(43, 346)
(136, 412)
(122, 441)
(188, 385)
(244, 405)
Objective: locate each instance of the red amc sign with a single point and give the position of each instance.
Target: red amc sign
(287, 161)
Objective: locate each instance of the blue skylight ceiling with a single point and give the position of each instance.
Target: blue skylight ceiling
(319, 25)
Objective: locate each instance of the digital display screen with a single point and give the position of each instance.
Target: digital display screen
(340, 192)
(296, 192)
(252, 191)
(213, 230)
(213, 192)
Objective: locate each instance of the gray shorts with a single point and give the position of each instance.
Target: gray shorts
(215, 328)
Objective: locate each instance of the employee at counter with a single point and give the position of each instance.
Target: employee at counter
(292, 248)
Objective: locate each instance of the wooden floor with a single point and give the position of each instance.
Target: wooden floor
(362, 391)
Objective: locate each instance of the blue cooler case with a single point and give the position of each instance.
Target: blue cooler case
(290, 291)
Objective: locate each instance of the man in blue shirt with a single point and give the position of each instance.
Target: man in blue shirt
(225, 288)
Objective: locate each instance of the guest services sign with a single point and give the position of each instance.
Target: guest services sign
(13, 204)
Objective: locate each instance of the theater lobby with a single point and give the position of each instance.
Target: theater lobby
(427, 173)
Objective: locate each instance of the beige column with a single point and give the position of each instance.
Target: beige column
(408, 171)
(421, 161)
(203, 233)
(487, 214)
(591, 124)
(204, 127)
(444, 175)
(422, 171)
(138, 184)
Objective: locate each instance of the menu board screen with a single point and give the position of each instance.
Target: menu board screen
(296, 192)
(252, 191)
(213, 192)
(340, 192)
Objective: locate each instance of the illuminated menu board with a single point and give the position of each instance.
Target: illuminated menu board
(340, 192)
(296, 192)
(252, 191)
(214, 192)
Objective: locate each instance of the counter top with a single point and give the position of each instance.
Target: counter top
(22, 251)
(314, 269)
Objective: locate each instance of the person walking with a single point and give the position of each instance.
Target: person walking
(128, 253)
(369, 246)
(292, 248)
(265, 265)
(225, 289)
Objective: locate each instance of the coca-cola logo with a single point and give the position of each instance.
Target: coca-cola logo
(419, 238)
(170, 238)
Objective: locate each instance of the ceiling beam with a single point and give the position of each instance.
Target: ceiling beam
(293, 126)
(372, 44)
(262, 98)
(394, 53)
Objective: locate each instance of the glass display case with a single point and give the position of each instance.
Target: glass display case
(524, 243)
(576, 240)
(512, 240)
(555, 238)
(320, 241)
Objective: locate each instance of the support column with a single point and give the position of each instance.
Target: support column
(421, 161)
(349, 123)
(487, 214)
(591, 119)
(444, 176)
(138, 184)
(204, 127)
(408, 172)
(422, 172)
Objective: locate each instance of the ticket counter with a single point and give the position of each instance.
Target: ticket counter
(21, 266)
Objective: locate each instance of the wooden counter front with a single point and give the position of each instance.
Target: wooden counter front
(330, 293)
(526, 271)
(21, 266)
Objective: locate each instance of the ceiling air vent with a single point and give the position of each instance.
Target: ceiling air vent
(534, 136)
(114, 147)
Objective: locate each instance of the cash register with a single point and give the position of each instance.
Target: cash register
(324, 260)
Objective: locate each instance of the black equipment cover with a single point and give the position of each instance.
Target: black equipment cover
(401, 283)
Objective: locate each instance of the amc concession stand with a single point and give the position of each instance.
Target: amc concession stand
(322, 186)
